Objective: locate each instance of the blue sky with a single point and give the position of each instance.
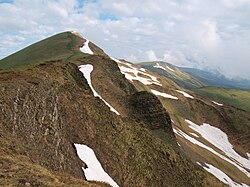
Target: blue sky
(212, 34)
(6, 1)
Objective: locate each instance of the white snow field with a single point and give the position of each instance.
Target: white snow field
(94, 170)
(196, 142)
(220, 140)
(132, 73)
(85, 48)
(135, 71)
(185, 94)
(221, 175)
(86, 71)
(168, 96)
(219, 104)
(161, 67)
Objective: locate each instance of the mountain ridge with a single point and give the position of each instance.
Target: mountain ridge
(56, 104)
(199, 77)
(215, 78)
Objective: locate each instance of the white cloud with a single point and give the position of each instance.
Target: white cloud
(168, 57)
(122, 8)
(189, 33)
(210, 37)
(236, 3)
(151, 55)
(177, 58)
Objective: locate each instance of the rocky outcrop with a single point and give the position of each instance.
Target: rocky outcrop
(147, 107)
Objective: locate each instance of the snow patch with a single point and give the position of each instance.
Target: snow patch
(185, 94)
(158, 66)
(161, 67)
(196, 142)
(220, 140)
(221, 176)
(163, 94)
(195, 135)
(170, 68)
(219, 104)
(85, 48)
(142, 69)
(132, 73)
(94, 170)
(86, 71)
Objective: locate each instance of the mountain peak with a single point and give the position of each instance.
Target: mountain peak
(63, 46)
(76, 33)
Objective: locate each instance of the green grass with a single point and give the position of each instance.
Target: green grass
(237, 98)
(181, 78)
(57, 47)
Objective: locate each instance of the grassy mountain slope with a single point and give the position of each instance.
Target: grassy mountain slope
(232, 121)
(57, 47)
(128, 150)
(51, 106)
(237, 98)
(63, 46)
(180, 77)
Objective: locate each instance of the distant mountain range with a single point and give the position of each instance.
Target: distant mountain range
(195, 78)
(217, 79)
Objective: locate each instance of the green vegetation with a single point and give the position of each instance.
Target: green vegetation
(136, 154)
(179, 77)
(138, 149)
(237, 98)
(57, 47)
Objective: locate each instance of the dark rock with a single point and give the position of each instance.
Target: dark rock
(147, 107)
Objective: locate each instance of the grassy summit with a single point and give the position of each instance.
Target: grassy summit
(58, 47)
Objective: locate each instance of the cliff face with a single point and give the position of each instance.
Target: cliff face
(149, 109)
(49, 107)
(37, 107)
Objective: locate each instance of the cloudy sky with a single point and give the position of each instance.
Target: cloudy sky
(210, 34)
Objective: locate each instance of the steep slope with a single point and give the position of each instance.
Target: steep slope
(62, 46)
(53, 106)
(17, 168)
(209, 132)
